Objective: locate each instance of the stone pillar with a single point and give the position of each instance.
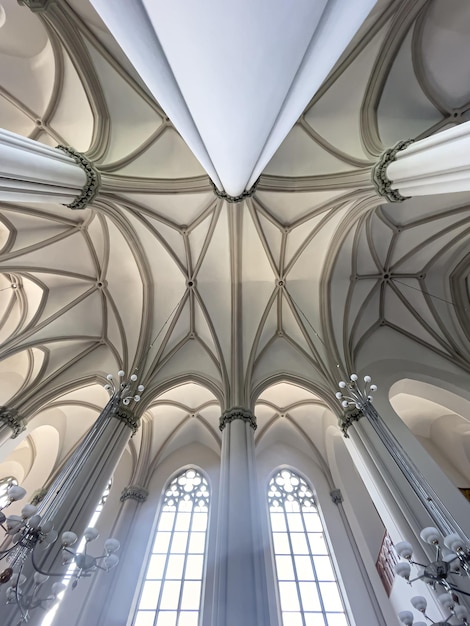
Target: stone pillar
(95, 611)
(437, 164)
(241, 594)
(33, 172)
(11, 424)
(73, 495)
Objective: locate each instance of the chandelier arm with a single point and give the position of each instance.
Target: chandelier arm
(40, 571)
(458, 590)
(24, 614)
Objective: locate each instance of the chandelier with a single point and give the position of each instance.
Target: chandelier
(32, 534)
(452, 556)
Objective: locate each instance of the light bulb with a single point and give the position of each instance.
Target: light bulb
(137, 398)
(431, 535)
(28, 510)
(367, 379)
(68, 538)
(90, 533)
(134, 377)
(373, 387)
(121, 373)
(354, 377)
(111, 545)
(107, 387)
(339, 395)
(341, 384)
(406, 617)
(419, 603)
(16, 493)
(345, 404)
(109, 377)
(140, 388)
(404, 549)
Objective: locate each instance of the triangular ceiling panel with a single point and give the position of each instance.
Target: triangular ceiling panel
(172, 43)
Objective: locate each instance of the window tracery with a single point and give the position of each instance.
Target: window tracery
(171, 593)
(307, 584)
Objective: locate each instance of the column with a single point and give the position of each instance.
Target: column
(437, 164)
(11, 424)
(94, 610)
(241, 595)
(411, 476)
(33, 172)
(74, 493)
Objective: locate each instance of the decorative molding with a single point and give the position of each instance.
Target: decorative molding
(233, 199)
(125, 415)
(380, 179)
(134, 492)
(91, 187)
(39, 496)
(336, 496)
(237, 413)
(9, 417)
(349, 417)
(36, 5)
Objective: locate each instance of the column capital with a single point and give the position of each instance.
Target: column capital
(39, 495)
(134, 492)
(36, 5)
(9, 417)
(234, 199)
(336, 496)
(237, 413)
(125, 415)
(93, 179)
(380, 179)
(348, 418)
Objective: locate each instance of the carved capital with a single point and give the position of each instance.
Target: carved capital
(134, 492)
(93, 179)
(39, 496)
(9, 417)
(336, 496)
(380, 179)
(125, 415)
(349, 417)
(36, 5)
(233, 199)
(237, 413)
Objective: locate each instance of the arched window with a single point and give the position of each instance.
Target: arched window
(308, 590)
(171, 593)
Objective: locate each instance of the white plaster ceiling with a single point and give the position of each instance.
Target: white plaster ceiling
(163, 275)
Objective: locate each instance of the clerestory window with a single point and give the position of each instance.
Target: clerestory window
(171, 592)
(308, 590)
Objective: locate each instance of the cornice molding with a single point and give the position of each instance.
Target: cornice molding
(134, 492)
(9, 417)
(380, 179)
(93, 179)
(237, 413)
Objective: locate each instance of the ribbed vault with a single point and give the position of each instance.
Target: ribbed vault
(163, 275)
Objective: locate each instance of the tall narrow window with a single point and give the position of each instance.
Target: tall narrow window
(308, 590)
(171, 593)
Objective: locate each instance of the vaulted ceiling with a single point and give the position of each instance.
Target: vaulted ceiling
(299, 282)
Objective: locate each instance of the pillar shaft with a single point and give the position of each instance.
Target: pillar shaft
(73, 495)
(437, 164)
(33, 172)
(241, 589)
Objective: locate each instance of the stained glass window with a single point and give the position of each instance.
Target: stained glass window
(171, 592)
(308, 590)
